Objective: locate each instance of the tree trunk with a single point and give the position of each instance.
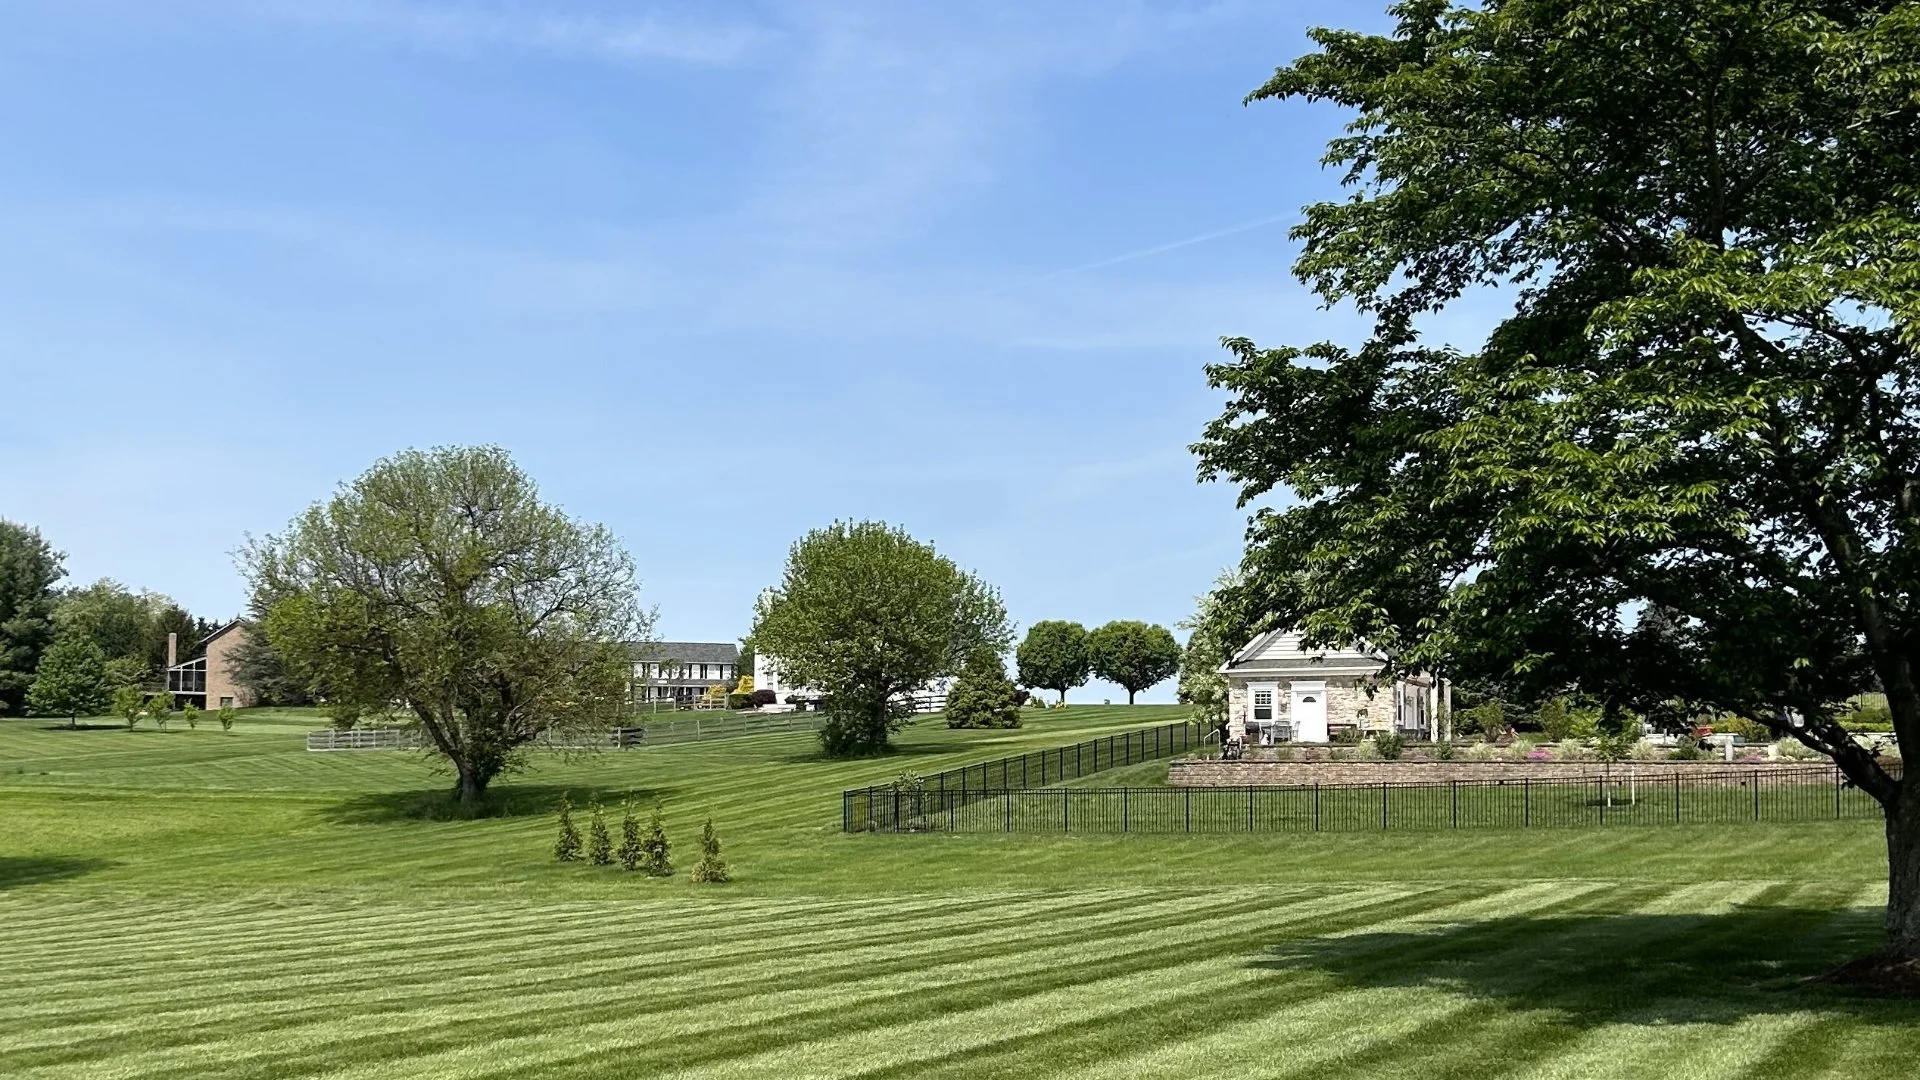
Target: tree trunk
(1903, 876)
(1063, 695)
(470, 788)
(1130, 697)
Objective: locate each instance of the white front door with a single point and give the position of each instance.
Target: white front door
(1308, 711)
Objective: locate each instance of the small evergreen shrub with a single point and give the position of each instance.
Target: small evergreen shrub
(711, 869)
(631, 850)
(1390, 744)
(655, 849)
(737, 702)
(599, 844)
(567, 847)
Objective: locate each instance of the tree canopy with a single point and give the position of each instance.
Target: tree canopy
(1053, 656)
(29, 569)
(1704, 220)
(1133, 654)
(440, 585)
(866, 614)
(71, 680)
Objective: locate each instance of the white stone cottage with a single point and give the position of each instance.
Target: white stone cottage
(1280, 692)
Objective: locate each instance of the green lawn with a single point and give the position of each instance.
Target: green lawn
(204, 904)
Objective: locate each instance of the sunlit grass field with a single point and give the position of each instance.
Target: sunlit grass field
(209, 904)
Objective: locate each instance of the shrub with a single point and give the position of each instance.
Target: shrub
(1868, 717)
(599, 844)
(1688, 750)
(1483, 751)
(1021, 695)
(1642, 750)
(160, 709)
(739, 701)
(1486, 719)
(1566, 751)
(1390, 744)
(1743, 727)
(1556, 720)
(655, 851)
(226, 715)
(1795, 750)
(192, 716)
(763, 698)
(631, 850)
(711, 869)
(1284, 753)
(1521, 749)
(1443, 751)
(1346, 736)
(567, 847)
(128, 704)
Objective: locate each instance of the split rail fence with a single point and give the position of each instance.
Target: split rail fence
(657, 733)
(1775, 794)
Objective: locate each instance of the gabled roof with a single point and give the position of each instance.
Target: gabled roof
(686, 652)
(1281, 651)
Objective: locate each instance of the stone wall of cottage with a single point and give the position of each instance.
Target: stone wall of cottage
(1202, 773)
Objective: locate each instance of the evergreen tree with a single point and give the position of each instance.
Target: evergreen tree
(631, 849)
(983, 696)
(71, 680)
(655, 848)
(711, 868)
(567, 847)
(599, 844)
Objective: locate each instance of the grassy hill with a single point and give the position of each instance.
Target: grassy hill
(209, 904)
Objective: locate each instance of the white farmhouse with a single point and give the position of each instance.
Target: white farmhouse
(1279, 691)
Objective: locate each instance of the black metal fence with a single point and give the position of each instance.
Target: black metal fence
(957, 788)
(1772, 794)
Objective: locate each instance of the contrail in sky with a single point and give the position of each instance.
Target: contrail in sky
(1245, 226)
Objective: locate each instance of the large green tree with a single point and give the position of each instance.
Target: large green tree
(867, 614)
(130, 628)
(29, 568)
(1694, 228)
(439, 583)
(1053, 656)
(71, 680)
(1133, 654)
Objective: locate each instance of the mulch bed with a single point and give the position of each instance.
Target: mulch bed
(1892, 976)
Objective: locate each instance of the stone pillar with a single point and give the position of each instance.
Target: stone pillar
(173, 649)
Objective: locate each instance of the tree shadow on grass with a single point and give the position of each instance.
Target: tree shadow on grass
(1592, 970)
(19, 870)
(506, 801)
(893, 752)
(83, 727)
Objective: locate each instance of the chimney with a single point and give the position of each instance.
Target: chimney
(173, 649)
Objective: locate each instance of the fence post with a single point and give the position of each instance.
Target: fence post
(1456, 803)
(1190, 809)
(846, 812)
(1250, 809)
(1009, 811)
(1065, 826)
(896, 810)
(1383, 806)
(1756, 794)
(1316, 806)
(1676, 798)
(1123, 810)
(1601, 782)
(1526, 802)
(1836, 791)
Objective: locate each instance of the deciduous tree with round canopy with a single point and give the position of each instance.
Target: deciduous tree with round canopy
(866, 614)
(1703, 222)
(1133, 654)
(1053, 656)
(438, 584)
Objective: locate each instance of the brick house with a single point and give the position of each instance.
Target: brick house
(205, 681)
(1278, 691)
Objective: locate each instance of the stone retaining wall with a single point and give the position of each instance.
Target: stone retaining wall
(1201, 773)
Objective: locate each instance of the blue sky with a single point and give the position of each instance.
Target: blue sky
(714, 273)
